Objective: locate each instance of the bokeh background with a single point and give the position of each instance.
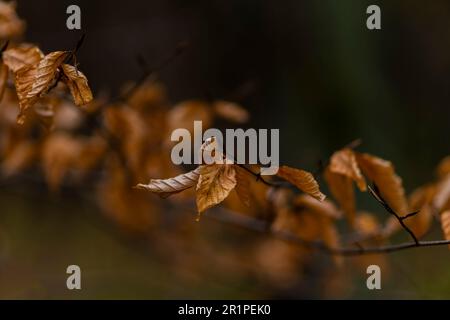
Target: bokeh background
(309, 68)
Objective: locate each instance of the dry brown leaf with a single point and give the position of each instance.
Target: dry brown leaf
(167, 187)
(303, 180)
(341, 188)
(77, 83)
(215, 183)
(420, 200)
(242, 185)
(22, 56)
(445, 224)
(231, 111)
(11, 25)
(382, 173)
(33, 81)
(344, 162)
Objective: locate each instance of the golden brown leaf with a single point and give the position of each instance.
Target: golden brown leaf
(341, 188)
(167, 187)
(215, 183)
(420, 200)
(77, 83)
(303, 180)
(33, 81)
(382, 173)
(22, 56)
(344, 162)
(231, 111)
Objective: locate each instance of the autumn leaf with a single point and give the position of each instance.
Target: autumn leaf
(215, 183)
(420, 200)
(167, 187)
(22, 56)
(342, 190)
(33, 81)
(77, 83)
(303, 180)
(382, 173)
(344, 162)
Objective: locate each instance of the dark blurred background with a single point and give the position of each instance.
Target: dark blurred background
(310, 68)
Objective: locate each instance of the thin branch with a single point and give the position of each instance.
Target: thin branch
(376, 194)
(261, 226)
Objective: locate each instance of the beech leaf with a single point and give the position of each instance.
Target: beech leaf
(214, 185)
(78, 84)
(167, 187)
(303, 180)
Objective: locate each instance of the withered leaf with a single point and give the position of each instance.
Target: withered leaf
(341, 188)
(167, 187)
(22, 56)
(303, 180)
(382, 173)
(33, 81)
(344, 162)
(420, 200)
(215, 183)
(77, 83)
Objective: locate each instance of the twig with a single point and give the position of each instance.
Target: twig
(261, 226)
(376, 194)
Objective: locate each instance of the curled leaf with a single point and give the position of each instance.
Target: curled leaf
(167, 187)
(303, 180)
(341, 188)
(33, 81)
(382, 173)
(78, 84)
(344, 162)
(22, 56)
